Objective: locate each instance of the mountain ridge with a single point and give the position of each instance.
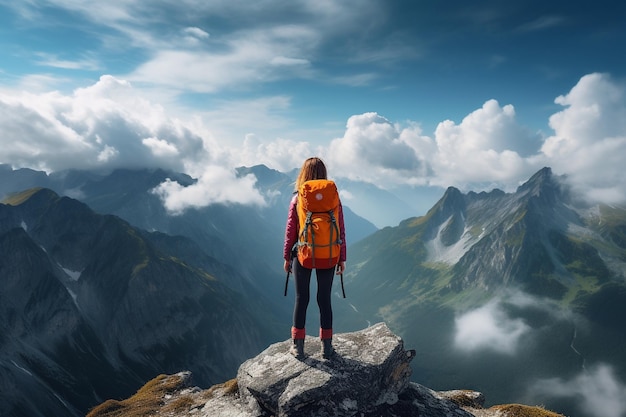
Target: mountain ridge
(91, 308)
(225, 232)
(531, 223)
(536, 262)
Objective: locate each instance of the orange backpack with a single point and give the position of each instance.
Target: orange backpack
(319, 242)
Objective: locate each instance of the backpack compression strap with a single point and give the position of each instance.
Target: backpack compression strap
(308, 225)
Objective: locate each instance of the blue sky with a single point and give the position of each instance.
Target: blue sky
(408, 95)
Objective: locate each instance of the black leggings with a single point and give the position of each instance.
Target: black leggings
(302, 276)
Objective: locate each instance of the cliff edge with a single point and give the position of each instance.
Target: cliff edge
(368, 376)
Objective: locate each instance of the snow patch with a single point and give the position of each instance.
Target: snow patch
(580, 231)
(24, 225)
(74, 275)
(58, 397)
(438, 252)
(73, 295)
(592, 212)
(22, 368)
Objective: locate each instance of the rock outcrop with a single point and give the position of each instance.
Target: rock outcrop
(368, 374)
(367, 377)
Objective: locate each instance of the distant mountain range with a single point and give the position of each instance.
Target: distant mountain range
(104, 290)
(93, 305)
(247, 238)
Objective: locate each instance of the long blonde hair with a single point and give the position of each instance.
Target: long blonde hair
(312, 169)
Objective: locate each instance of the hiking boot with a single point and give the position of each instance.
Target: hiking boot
(297, 349)
(327, 348)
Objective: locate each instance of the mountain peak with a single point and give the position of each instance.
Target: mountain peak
(542, 179)
(38, 192)
(545, 188)
(265, 176)
(452, 192)
(451, 201)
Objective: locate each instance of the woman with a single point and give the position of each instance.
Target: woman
(312, 169)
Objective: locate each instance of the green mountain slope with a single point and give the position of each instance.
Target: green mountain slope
(499, 289)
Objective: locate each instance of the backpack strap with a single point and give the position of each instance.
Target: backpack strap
(304, 233)
(334, 227)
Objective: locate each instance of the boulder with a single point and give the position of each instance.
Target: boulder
(368, 375)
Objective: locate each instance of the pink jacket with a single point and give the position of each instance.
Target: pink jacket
(291, 231)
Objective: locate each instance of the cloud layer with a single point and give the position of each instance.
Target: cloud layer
(489, 148)
(589, 140)
(112, 124)
(597, 391)
(489, 328)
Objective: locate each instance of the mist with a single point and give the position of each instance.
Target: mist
(597, 391)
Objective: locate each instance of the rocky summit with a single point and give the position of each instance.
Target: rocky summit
(368, 376)
(370, 370)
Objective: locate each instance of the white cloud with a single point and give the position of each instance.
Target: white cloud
(54, 61)
(107, 154)
(488, 145)
(494, 326)
(242, 59)
(589, 141)
(489, 328)
(193, 36)
(281, 154)
(375, 150)
(196, 32)
(241, 52)
(489, 148)
(597, 390)
(216, 185)
(234, 120)
(110, 125)
(160, 147)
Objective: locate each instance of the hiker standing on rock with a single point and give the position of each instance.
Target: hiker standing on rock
(315, 232)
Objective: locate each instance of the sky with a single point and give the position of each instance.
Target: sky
(406, 95)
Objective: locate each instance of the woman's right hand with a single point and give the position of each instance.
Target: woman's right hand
(287, 266)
